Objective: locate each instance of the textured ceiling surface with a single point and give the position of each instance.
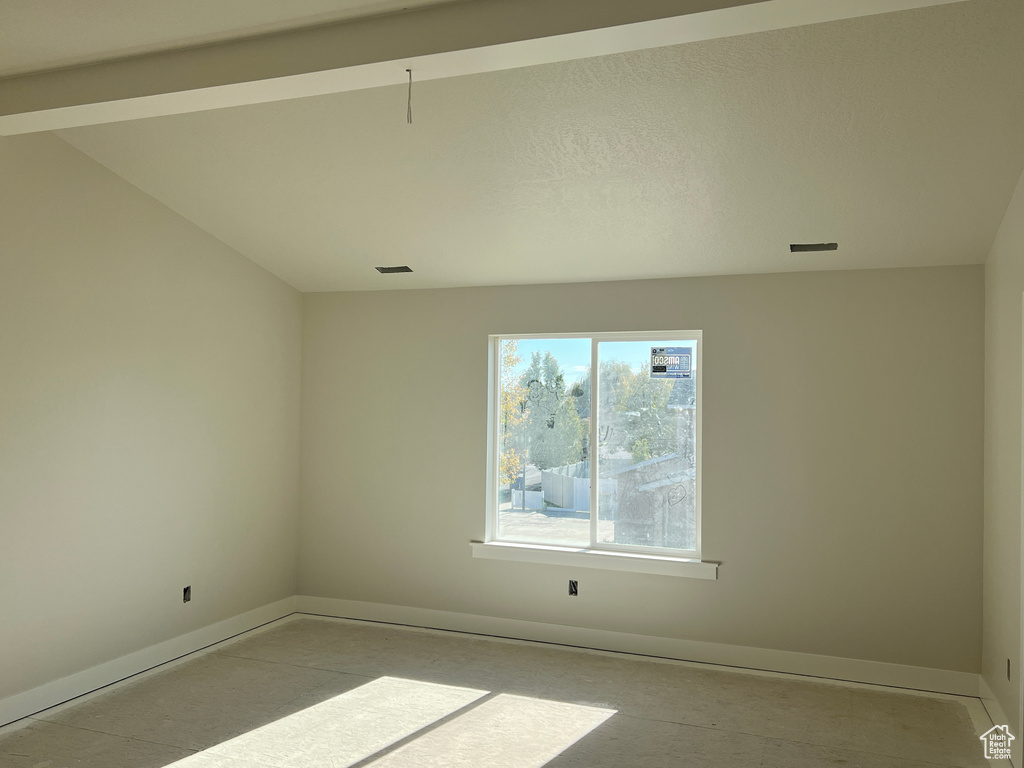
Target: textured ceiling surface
(37, 35)
(901, 136)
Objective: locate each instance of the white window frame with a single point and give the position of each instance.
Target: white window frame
(597, 554)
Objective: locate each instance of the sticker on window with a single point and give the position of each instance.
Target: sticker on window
(671, 362)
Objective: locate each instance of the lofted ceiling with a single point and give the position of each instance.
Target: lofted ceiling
(899, 135)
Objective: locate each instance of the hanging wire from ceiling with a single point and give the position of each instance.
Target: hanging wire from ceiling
(408, 110)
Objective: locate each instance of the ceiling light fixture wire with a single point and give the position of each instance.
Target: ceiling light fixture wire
(408, 110)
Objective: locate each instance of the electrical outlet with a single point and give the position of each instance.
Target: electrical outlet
(186, 594)
(574, 588)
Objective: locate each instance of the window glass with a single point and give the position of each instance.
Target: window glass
(543, 466)
(646, 431)
(635, 427)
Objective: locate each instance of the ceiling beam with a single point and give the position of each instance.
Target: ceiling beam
(435, 42)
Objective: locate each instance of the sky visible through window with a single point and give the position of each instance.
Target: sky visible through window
(573, 355)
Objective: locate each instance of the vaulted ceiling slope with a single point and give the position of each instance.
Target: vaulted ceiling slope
(899, 135)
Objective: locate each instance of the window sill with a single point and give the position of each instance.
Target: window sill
(592, 558)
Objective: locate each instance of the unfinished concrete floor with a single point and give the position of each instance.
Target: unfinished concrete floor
(329, 693)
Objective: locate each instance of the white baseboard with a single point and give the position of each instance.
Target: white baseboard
(59, 691)
(831, 667)
(998, 714)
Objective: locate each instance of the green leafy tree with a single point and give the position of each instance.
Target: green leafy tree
(647, 421)
(566, 434)
(512, 458)
(641, 451)
(634, 413)
(553, 429)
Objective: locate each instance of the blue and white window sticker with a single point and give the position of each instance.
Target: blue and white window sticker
(671, 362)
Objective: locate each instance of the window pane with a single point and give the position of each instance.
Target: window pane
(647, 428)
(543, 434)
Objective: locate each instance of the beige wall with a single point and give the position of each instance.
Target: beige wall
(843, 433)
(149, 398)
(1004, 284)
(149, 438)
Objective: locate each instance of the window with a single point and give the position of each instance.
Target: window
(603, 465)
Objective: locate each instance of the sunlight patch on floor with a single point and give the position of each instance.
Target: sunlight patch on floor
(343, 730)
(505, 731)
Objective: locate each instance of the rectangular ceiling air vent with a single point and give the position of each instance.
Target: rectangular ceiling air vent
(393, 270)
(805, 247)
